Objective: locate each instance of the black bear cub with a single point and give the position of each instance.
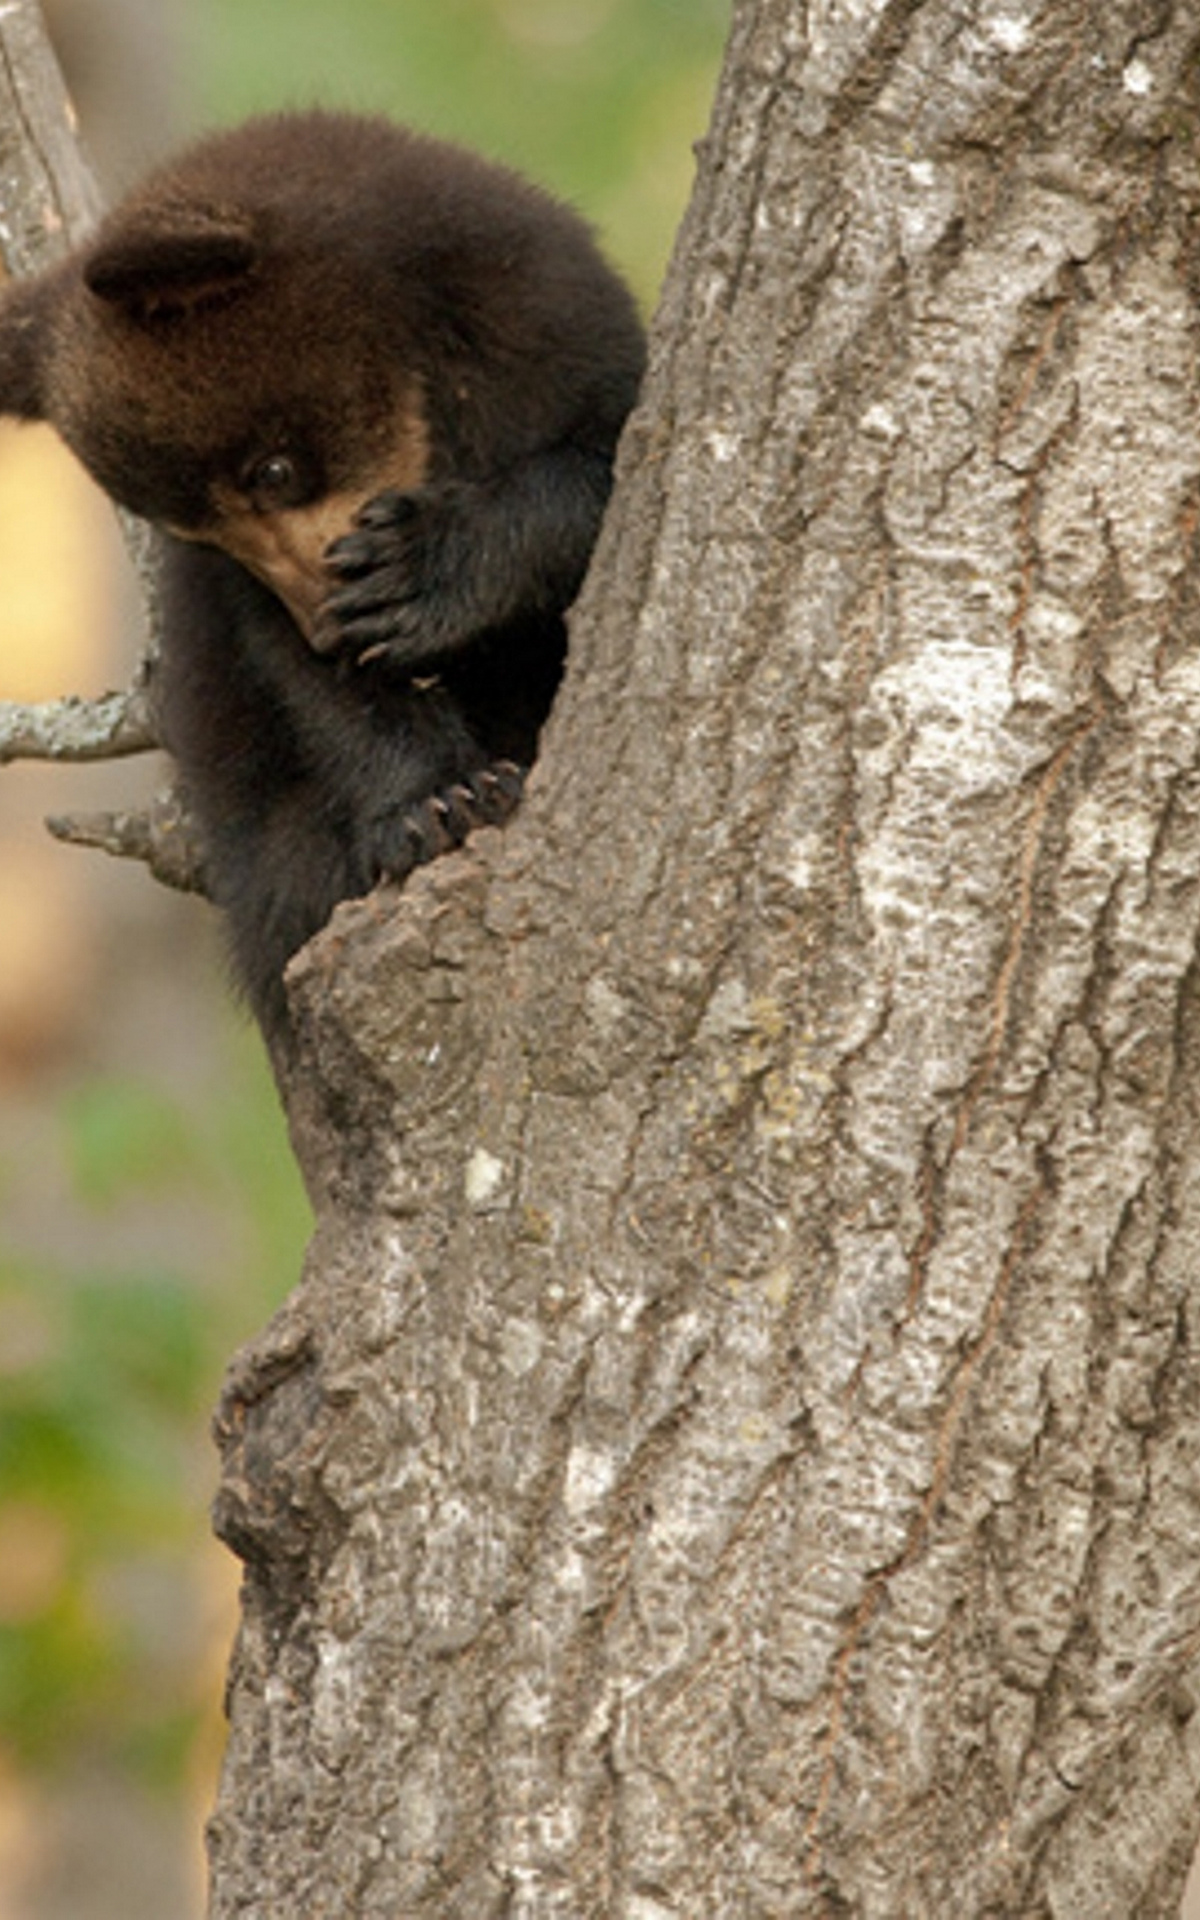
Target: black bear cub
(370, 387)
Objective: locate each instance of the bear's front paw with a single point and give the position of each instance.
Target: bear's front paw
(392, 592)
(437, 825)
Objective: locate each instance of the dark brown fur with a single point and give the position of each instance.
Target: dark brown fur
(372, 386)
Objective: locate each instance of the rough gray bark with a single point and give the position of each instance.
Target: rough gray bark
(48, 193)
(733, 1450)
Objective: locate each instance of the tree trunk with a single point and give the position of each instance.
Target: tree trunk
(733, 1450)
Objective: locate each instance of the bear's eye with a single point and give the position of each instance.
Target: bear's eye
(274, 482)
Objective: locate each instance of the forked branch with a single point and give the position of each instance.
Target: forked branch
(49, 200)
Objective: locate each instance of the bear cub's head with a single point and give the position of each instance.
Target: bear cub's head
(298, 314)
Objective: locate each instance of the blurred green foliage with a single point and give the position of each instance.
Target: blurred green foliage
(599, 99)
(108, 1370)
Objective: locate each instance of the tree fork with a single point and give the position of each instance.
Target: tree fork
(733, 1445)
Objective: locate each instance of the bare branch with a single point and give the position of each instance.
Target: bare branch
(48, 193)
(77, 730)
(49, 201)
(160, 835)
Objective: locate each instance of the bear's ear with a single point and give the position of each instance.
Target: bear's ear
(25, 311)
(170, 259)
